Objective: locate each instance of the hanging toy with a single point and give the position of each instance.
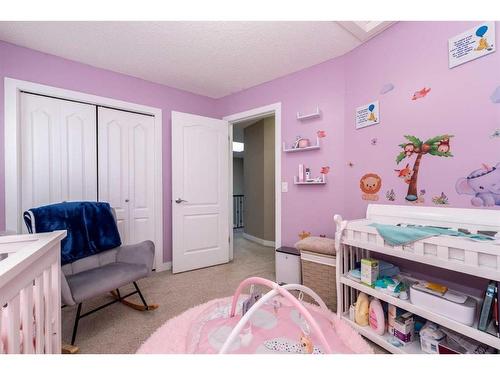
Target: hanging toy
(305, 338)
(247, 336)
(306, 344)
(276, 306)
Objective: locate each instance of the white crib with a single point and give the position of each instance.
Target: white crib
(30, 293)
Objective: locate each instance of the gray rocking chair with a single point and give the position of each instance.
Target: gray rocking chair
(105, 272)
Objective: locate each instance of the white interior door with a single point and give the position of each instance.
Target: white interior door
(126, 171)
(200, 172)
(58, 151)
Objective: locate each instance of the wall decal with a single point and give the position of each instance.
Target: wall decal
(495, 97)
(304, 234)
(390, 195)
(406, 173)
(495, 134)
(386, 88)
(420, 198)
(483, 184)
(471, 44)
(370, 185)
(440, 199)
(421, 93)
(367, 115)
(321, 134)
(374, 141)
(432, 146)
(325, 170)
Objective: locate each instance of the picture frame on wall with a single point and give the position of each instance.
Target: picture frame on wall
(367, 115)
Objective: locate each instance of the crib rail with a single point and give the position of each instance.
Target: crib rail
(30, 293)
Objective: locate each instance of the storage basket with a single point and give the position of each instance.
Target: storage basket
(319, 274)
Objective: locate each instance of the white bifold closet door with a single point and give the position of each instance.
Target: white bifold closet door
(126, 171)
(58, 151)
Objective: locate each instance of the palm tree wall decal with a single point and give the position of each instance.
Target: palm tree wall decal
(436, 146)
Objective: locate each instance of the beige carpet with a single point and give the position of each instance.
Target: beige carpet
(120, 329)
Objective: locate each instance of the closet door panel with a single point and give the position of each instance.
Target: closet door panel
(113, 166)
(79, 152)
(141, 178)
(43, 179)
(39, 172)
(126, 178)
(58, 151)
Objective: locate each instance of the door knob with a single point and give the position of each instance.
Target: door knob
(126, 200)
(179, 200)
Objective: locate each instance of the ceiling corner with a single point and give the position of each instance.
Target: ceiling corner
(364, 30)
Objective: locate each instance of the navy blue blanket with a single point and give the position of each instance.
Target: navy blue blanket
(91, 227)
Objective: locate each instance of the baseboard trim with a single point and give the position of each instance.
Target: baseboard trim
(164, 267)
(258, 240)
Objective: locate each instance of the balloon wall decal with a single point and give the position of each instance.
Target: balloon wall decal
(371, 107)
(481, 31)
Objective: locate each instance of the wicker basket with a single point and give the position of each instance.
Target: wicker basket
(319, 274)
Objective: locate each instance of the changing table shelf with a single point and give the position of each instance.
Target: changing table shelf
(412, 348)
(356, 239)
(472, 332)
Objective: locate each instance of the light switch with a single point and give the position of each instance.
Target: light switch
(284, 187)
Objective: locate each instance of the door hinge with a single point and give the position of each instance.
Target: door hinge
(229, 239)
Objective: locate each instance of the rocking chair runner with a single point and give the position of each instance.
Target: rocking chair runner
(104, 272)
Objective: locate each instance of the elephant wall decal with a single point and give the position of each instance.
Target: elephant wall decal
(483, 184)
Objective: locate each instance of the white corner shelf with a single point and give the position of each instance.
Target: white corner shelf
(309, 148)
(297, 182)
(383, 340)
(315, 114)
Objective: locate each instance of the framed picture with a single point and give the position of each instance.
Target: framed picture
(367, 115)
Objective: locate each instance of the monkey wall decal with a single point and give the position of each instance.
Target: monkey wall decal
(406, 173)
(444, 145)
(409, 149)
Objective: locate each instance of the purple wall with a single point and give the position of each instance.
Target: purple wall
(410, 55)
(25, 64)
(309, 208)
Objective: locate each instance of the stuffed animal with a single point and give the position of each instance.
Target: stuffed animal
(361, 311)
(306, 344)
(304, 234)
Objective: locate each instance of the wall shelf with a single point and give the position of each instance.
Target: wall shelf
(309, 148)
(302, 117)
(297, 182)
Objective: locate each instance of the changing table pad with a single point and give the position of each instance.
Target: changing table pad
(396, 235)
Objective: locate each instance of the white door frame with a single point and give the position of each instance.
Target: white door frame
(270, 109)
(12, 90)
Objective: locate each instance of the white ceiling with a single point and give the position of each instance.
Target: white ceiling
(208, 58)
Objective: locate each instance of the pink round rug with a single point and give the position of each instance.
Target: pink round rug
(203, 329)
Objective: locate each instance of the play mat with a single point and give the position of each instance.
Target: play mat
(275, 323)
